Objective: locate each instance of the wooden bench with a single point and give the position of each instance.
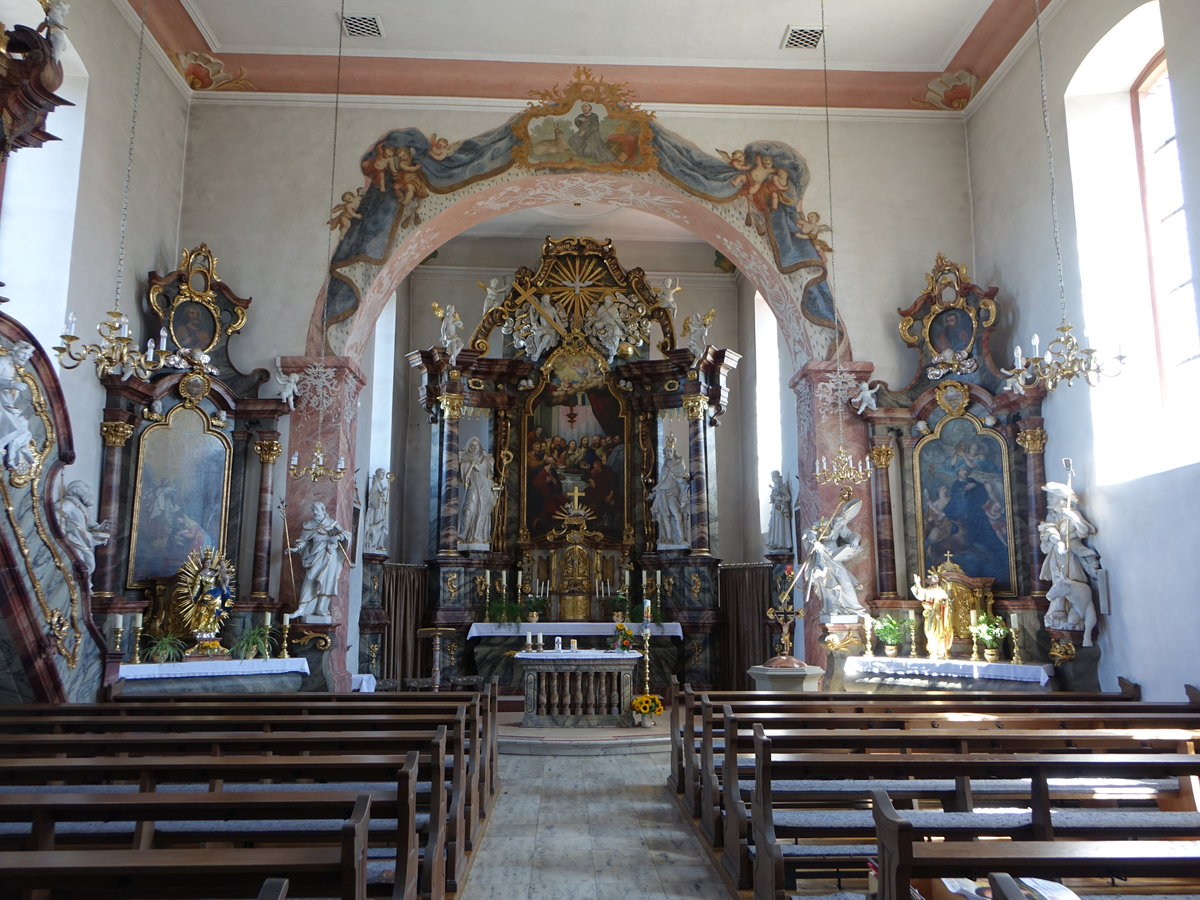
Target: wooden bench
(385, 777)
(337, 869)
(789, 780)
(726, 796)
(902, 859)
(274, 889)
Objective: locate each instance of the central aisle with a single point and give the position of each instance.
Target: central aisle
(589, 828)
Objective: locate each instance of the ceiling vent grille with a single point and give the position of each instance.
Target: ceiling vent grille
(801, 38)
(359, 26)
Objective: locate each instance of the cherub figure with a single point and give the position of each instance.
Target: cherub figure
(440, 147)
(344, 214)
(695, 331)
(737, 160)
(382, 169)
(496, 288)
(55, 24)
(810, 228)
(865, 398)
(667, 297)
(452, 324)
(289, 385)
(409, 186)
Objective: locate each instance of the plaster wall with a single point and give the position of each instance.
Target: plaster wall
(1147, 548)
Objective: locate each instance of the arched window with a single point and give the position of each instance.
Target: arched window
(1134, 264)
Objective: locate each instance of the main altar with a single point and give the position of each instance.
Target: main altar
(561, 488)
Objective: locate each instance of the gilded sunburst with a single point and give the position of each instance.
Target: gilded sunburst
(576, 284)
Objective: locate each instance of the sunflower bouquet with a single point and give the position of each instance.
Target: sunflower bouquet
(647, 705)
(622, 638)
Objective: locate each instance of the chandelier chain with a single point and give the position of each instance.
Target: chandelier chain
(1062, 290)
(137, 88)
(829, 262)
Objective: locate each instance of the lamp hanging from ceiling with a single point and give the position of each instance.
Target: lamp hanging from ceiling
(1065, 360)
(316, 468)
(845, 473)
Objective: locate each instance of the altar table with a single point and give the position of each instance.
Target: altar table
(578, 688)
(568, 629)
(204, 676)
(881, 674)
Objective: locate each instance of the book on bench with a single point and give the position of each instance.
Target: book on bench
(971, 889)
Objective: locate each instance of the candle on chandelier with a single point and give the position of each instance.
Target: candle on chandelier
(341, 463)
(69, 325)
(1017, 357)
(295, 457)
(162, 339)
(123, 330)
(1035, 340)
(150, 351)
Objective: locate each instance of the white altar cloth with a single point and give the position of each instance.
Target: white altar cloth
(953, 668)
(213, 667)
(568, 629)
(578, 655)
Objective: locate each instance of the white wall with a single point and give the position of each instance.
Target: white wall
(1147, 547)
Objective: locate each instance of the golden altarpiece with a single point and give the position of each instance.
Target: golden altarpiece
(554, 476)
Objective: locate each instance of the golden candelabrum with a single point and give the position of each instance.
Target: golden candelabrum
(843, 473)
(869, 633)
(283, 637)
(316, 469)
(1016, 639)
(119, 640)
(646, 657)
(1065, 361)
(137, 642)
(116, 353)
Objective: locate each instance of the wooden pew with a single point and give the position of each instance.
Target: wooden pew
(311, 774)
(338, 869)
(274, 889)
(726, 790)
(797, 778)
(901, 859)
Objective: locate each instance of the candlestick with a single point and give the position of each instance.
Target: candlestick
(137, 639)
(1014, 621)
(119, 637)
(1016, 638)
(283, 635)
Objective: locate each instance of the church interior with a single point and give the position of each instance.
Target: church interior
(577, 382)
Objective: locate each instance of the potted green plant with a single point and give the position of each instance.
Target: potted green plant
(532, 606)
(990, 631)
(892, 632)
(255, 640)
(164, 648)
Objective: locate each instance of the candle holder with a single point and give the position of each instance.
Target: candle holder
(283, 639)
(373, 658)
(1016, 639)
(137, 644)
(974, 648)
(869, 630)
(646, 659)
(118, 640)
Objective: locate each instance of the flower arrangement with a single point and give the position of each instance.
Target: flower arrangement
(989, 630)
(620, 604)
(891, 630)
(622, 638)
(647, 705)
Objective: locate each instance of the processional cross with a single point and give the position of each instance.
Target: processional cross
(784, 613)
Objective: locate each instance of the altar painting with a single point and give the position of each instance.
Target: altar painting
(181, 497)
(964, 506)
(575, 445)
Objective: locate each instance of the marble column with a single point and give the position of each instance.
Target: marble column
(695, 406)
(881, 454)
(1031, 437)
(326, 413)
(452, 405)
(116, 430)
(268, 448)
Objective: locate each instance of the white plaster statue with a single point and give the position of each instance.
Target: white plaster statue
(865, 398)
(322, 556)
(289, 385)
(16, 437)
(606, 328)
(496, 288)
(695, 331)
(479, 497)
(828, 547)
(668, 500)
(542, 334)
(1070, 565)
(379, 496)
(779, 527)
(55, 25)
(74, 513)
(669, 289)
(452, 324)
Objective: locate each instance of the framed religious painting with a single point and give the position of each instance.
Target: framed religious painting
(964, 501)
(181, 494)
(574, 447)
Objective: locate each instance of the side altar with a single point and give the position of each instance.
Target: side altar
(559, 488)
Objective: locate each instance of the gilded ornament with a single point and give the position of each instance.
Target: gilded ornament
(881, 457)
(451, 586)
(848, 642)
(115, 434)
(1032, 440)
(952, 397)
(695, 405)
(268, 451)
(203, 597)
(1061, 651)
(319, 641)
(194, 387)
(452, 405)
(694, 585)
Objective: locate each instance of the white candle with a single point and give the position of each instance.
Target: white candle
(539, 639)
(162, 339)
(123, 330)
(1013, 621)
(504, 582)
(1017, 357)
(912, 614)
(150, 351)
(137, 620)
(1035, 340)
(574, 645)
(296, 458)
(646, 610)
(974, 617)
(529, 639)
(287, 617)
(69, 324)
(658, 582)
(626, 581)
(267, 618)
(119, 621)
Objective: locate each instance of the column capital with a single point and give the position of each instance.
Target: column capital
(115, 434)
(452, 405)
(881, 456)
(695, 405)
(1032, 440)
(268, 451)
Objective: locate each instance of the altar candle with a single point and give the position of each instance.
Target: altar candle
(137, 620)
(1013, 621)
(658, 583)
(119, 621)
(974, 617)
(266, 619)
(539, 639)
(504, 582)
(287, 617)
(912, 615)
(529, 639)
(646, 610)
(626, 581)
(574, 645)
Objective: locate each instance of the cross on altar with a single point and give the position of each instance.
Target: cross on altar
(575, 493)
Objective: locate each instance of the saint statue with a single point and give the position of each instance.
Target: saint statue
(939, 615)
(828, 547)
(378, 503)
(475, 467)
(452, 324)
(322, 556)
(668, 500)
(16, 435)
(82, 534)
(779, 527)
(1070, 565)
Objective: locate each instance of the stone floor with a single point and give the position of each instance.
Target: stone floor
(588, 828)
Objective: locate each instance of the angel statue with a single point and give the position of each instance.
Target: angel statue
(695, 331)
(865, 398)
(495, 290)
(828, 547)
(204, 596)
(452, 324)
(289, 385)
(666, 297)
